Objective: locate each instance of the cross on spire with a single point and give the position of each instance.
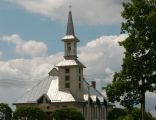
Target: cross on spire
(70, 7)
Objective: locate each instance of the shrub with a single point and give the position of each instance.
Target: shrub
(29, 113)
(5, 112)
(67, 114)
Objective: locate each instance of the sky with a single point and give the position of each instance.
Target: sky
(30, 42)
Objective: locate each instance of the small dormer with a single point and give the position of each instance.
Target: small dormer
(53, 72)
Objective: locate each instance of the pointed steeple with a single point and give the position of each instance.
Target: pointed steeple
(70, 34)
(70, 26)
(70, 40)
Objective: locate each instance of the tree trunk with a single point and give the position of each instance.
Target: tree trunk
(143, 107)
(143, 102)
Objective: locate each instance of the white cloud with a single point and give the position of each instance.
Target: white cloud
(98, 55)
(27, 69)
(32, 48)
(88, 11)
(102, 57)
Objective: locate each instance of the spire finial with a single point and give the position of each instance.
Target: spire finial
(70, 7)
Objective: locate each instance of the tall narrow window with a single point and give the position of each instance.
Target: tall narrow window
(67, 70)
(68, 48)
(79, 85)
(79, 71)
(67, 75)
(67, 85)
(67, 78)
(79, 78)
(75, 48)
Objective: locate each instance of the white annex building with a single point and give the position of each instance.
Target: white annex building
(65, 85)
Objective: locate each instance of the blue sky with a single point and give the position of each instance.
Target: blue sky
(16, 19)
(30, 42)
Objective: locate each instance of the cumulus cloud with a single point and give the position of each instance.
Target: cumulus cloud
(102, 57)
(89, 11)
(27, 69)
(98, 55)
(103, 54)
(19, 75)
(31, 47)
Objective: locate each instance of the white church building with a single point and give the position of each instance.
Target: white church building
(65, 85)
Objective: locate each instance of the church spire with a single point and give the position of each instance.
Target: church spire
(70, 26)
(70, 34)
(70, 40)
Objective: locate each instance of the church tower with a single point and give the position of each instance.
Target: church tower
(71, 69)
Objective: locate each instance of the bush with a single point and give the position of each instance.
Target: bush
(29, 113)
(5, 112)
(123, 114)
(116, 114)
(67, 114)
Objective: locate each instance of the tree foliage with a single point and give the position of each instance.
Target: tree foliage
(29, 113)
(116, 113)
(67, 114)
(138, 73)
(5, 112)
(124, 114)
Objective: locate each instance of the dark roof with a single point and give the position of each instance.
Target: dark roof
(70, 26)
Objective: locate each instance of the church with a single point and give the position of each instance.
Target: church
(65, 85)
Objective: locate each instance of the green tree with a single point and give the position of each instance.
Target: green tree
(5, 112)
(67, 114)
(138, 73)
(136, 113)
(116, 114)
(124, 114)
(29, 113)
(127, 117)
